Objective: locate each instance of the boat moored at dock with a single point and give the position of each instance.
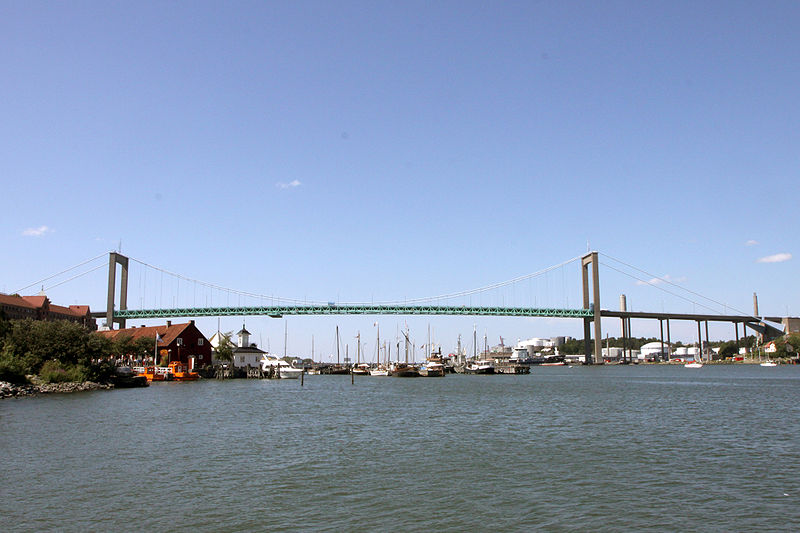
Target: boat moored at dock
(404, 370)
(274, 365)
(432, 369)
(180, 372)
(481, 366)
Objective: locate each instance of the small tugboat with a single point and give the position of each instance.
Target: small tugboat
(180, 372)
(154, 373)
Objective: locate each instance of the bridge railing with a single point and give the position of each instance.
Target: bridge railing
(353, 309)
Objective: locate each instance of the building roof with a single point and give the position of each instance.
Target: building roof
(36, 301)
(64, 310)
(248, 349)
(167, 333)
(15, 299)
(81, 310)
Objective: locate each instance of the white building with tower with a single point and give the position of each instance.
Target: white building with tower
(246, 354)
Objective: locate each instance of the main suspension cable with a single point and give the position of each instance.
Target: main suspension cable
(60, 273)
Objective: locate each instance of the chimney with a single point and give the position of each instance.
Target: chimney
(169, 323)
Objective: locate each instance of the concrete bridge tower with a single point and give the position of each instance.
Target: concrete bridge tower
(597, 357)
(115, 258)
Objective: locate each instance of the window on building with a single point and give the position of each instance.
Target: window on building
(200, 342)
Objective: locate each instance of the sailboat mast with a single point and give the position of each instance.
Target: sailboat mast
(474, 342)
(406, 336)
(285, 336)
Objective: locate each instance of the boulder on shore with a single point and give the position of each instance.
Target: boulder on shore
(11, 390)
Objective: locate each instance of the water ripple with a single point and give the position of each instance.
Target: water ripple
(608, 449)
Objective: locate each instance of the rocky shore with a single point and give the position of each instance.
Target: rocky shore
(10, 390)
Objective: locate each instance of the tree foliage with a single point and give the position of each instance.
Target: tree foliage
(728, 349)
(787, 346)
(224, 351)
(59, 349)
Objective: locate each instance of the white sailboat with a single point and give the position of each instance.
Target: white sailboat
(360, 369)
(475, 365)
(380, 371)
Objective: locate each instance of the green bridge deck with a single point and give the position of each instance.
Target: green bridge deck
(344, 309)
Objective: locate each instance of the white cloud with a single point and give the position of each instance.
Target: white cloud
(36, 232)
(664, 279)
(751, 242)
(290, 185)
(776, 258)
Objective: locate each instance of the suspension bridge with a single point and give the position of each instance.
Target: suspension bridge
(454, 304)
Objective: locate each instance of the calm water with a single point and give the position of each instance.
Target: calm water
(607, 448)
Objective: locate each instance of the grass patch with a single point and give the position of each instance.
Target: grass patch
(54, 372)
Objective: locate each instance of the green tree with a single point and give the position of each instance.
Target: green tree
(224, 351)
(70, 348)
(139, 348)
(728, 349)
(787, 346)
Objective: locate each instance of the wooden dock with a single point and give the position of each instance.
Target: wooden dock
(512, 369)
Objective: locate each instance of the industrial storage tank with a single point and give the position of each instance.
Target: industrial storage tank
(558, 341)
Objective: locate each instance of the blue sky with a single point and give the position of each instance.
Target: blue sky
(360, 151)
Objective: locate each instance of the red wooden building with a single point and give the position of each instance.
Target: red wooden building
(180, 342)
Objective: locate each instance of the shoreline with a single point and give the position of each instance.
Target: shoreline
(10, 390)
